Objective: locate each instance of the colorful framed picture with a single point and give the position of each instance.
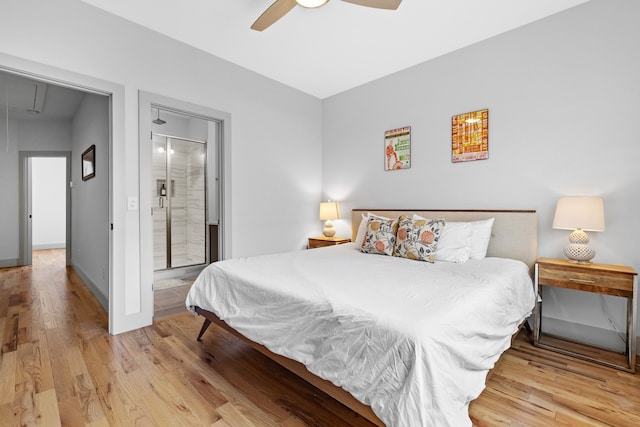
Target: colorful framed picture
(470, 136)
(397, 149)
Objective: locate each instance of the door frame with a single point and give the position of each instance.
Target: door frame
(219, 148)
(25, 202)
(122, 274)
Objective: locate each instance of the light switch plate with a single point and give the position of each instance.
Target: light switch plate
(132, 203)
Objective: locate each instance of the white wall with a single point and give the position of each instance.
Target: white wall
(49, 208)
(562, 95)
(276, 132)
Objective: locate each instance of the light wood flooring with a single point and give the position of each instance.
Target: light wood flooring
(170, 301)
(60, 367)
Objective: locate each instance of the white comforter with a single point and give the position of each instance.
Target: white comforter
(411, 339)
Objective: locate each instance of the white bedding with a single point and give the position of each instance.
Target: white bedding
(411, 339)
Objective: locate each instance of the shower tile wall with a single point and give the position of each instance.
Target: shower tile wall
(196, 229)
(179, 254)
(187, 206)
(158, 171)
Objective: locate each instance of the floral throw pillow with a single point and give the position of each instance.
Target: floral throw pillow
(418, 238)
(381, 236)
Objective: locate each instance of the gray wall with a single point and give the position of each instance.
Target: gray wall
(563, 97)
(90, 199)
(24, 135)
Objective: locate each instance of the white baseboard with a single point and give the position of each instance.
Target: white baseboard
(44, 246)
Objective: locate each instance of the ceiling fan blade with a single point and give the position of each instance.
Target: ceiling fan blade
(276, 11)
(378, 4)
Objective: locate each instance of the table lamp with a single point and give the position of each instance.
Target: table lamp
(579, 214)
(328, 212)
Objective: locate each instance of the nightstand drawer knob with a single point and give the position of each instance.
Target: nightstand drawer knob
(571, 279)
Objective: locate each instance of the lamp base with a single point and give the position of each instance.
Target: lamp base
(328, 230)
(579, 252)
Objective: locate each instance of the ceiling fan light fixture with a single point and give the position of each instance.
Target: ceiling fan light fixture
(280, 8)
(311, 3)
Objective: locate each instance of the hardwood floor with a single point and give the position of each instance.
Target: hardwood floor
(167, 302)
(59, 366)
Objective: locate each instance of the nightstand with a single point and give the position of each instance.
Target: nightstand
(607, 279)
(319, 242)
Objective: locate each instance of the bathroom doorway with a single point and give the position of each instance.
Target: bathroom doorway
(183, 152)
(184, 200)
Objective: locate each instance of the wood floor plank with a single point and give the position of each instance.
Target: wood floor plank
(62, 378)
(49, 309)
(59, 366)
(233, 417)
(8, 365)
(85, 393)
(104, 372)
(136, 398)
(27, 407)
(102, 422)
(70, 412)
(25, 325)
(47, 403)
(10, 414)
(11, 328)
(3, 321)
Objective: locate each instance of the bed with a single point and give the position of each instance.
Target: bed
(369, 330)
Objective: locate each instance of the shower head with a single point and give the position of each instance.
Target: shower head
(158, 120)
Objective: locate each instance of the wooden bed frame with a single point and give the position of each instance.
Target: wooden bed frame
(514, 235)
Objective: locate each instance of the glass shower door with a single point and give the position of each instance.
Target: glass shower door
(180, 203)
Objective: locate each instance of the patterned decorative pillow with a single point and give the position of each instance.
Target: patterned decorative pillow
(418, 238)
(362, 229)
(381, 235)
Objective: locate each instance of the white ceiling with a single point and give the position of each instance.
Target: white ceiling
(338, 46)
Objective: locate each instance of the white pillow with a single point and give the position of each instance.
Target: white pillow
(480, 236)
(453, 250)
(455, 242)
(362, 229)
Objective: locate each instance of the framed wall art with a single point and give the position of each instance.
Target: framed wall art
(397, 149)
(89, 163)
(470, 136)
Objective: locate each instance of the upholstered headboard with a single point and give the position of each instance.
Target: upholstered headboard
(514, 234)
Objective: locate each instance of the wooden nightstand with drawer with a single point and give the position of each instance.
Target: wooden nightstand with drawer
(607, 279)
(319, 242)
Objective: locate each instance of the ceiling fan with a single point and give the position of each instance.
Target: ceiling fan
(279, 8)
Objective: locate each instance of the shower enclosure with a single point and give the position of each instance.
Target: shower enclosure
(179, 202)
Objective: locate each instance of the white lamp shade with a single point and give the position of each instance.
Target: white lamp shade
(329, 211)
(577, 212)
